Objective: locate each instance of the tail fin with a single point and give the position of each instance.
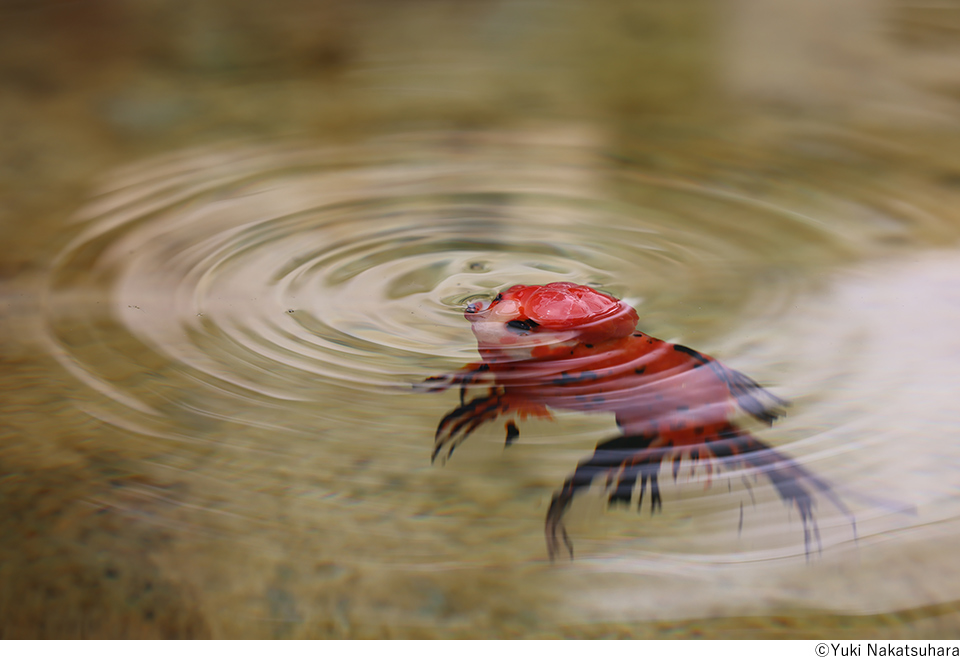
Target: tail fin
(633, 458)
(792, 481)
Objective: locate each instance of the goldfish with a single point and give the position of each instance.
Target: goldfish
(565, 346)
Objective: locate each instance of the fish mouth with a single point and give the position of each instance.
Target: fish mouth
(473, 310)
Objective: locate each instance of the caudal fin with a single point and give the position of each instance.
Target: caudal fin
(794, 483)
(630, 459)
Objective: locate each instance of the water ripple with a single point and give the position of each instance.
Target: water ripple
(266, 309)
(269, 267)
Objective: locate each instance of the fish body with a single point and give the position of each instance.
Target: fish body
(566, 346)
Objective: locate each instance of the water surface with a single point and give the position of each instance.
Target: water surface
(211, 424)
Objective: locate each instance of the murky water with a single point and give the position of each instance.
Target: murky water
(211, 425)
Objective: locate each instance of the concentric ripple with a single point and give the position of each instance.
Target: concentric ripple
(266, 310)
(273, 269)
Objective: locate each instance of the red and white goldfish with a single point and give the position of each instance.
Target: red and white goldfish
(569, 347)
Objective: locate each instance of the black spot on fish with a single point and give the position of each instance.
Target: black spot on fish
(512, 433)
(567, 379)
(523, 326)
(692, 353)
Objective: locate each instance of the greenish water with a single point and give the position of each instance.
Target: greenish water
(236, 240)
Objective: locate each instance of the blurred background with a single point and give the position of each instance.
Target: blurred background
(92, 84)
(134, 77)
(841, 120)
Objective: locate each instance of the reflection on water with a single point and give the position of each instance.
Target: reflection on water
(256, 317)
(212, 427)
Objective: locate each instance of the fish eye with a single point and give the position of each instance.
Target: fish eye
(523, 326)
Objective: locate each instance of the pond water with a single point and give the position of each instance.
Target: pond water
(227, 269)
